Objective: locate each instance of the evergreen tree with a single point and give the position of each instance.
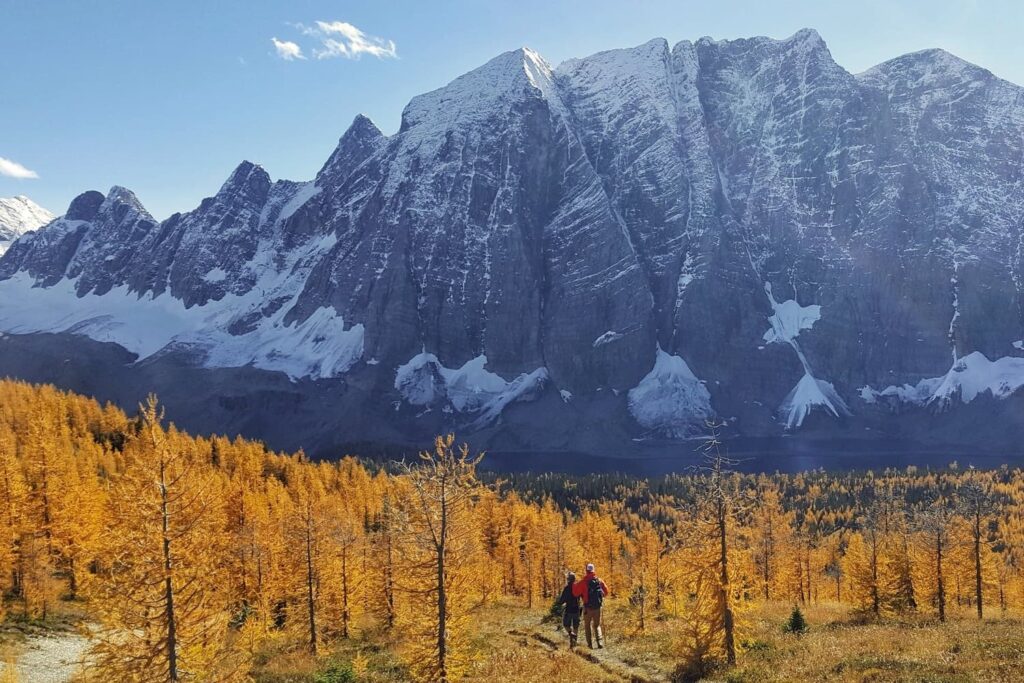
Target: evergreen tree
(796, 623)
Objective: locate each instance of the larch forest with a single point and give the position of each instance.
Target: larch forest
(191, 558)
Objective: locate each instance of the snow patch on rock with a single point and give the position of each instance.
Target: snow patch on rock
(307, 191)
(470, 389)
(969, 377)
(319, 346)
(789, 318)
(607, 338)
(670, 400)
(215, 275)
(808, 394)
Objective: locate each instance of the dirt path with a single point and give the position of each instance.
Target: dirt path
(607, 659)
(48, 657)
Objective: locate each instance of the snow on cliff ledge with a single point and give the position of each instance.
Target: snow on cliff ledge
(318, 347)
(670, 400)
(468, 389)
(788, 318)
(969, 376)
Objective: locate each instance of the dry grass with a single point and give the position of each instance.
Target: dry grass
(511, 643)
(843, 647)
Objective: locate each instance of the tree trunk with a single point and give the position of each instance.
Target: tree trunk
(169, 616)
(977, 563)
(657, 581)
(728, 619)
(765, 576)
(344, 592)
(442, 595)
(807, 570)
(876, 603)
(940, 582)
(310, 602)
(47, 529)
(643, 602)
(389, 580)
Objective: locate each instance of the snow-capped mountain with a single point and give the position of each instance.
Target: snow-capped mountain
(587, 257)
(19, 215)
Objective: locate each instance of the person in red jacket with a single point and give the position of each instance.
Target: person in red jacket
(593, 591)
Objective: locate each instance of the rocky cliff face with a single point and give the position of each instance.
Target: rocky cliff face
(597, 255)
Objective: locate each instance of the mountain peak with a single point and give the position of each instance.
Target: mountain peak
(363, 125)
(354, 146)
(85, 206)
(805, 39)
(119, 193)
(621, 61)
(499, 83)
(249, 179)
(23, 201)
(121, 203)
(19, 215)
(806, 35)
(933, 67)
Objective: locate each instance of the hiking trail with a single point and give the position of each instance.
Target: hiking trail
(607, 659)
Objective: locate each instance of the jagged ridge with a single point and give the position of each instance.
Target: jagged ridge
(580, 225)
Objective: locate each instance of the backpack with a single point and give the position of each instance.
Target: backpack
(571, 602)
(595, 596)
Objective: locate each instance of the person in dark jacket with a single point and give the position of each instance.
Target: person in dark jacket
(571, 609)
(593, 591)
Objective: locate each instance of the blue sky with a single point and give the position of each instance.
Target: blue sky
(167, 97)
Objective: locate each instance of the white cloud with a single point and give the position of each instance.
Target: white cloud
(13, 169)
(336, 39)
(287, 50)
(342, 39)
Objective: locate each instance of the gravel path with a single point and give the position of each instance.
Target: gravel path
(49, 658)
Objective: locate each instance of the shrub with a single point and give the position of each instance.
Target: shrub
(336, 672)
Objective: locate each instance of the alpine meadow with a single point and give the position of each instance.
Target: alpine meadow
(624, 359)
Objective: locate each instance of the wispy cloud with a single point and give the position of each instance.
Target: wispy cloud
(342, 39)
(287, 50)
(336, 39)
(12, 169)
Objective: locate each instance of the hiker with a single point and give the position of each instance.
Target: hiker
(593, 591)
(571, 609)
